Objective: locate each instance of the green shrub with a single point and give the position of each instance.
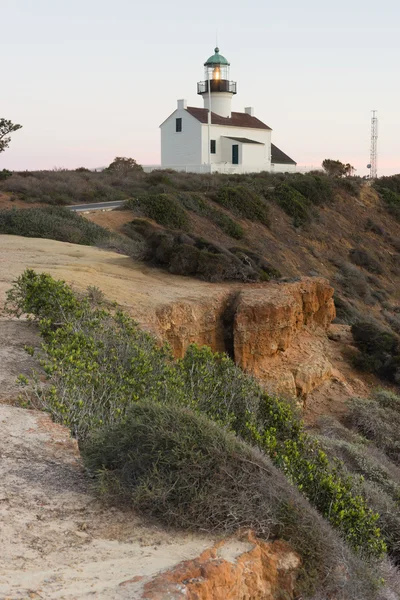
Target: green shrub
(183, 469)
(184, 254)
(197, 204)
(52, 223)
(351, 185)
(379, 350)
(317, 189)
(244, 202)
(62, 187)
(98, 362)
(272, 425)
(293, 203)
(228, 225)
(392, 200)
(354, 282)
(61, 224)
(391, 182)
(40, 295)
(162, 208)
(5, 174)
(380, 476)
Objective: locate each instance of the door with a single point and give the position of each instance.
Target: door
(235, 154)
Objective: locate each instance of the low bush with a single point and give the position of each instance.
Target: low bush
(317, 189)
(391, 182)
(244, 202)
(199, 205)
(164, 209)
(363, 258)
(227, 225)
(61, 224)
(346, 312)
(354, 282)
(380, 476)
(293, 203)
(392, 201)
(183, 469)
(52, 223)
(351, 185)
(62, 187)
(379, 350)
(378, 419)
(370, 225)
(186, 254)
(393, 320)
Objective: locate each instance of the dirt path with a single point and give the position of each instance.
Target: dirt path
(56, 539)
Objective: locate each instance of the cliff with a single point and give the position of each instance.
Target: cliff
(276, 331)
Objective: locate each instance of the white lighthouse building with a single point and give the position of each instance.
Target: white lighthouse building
(215, 139)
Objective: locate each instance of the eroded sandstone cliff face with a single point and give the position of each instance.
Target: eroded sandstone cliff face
(267, 320)
(279, 333)
(275, 331)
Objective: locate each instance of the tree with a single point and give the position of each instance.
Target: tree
(124, 166)
(335, 168)
(6, 127)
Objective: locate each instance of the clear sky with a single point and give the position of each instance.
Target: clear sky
(93, 79)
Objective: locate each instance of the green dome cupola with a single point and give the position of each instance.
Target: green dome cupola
(216, 59)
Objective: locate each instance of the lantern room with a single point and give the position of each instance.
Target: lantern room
(216, 74)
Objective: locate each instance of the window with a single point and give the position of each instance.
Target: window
(213, 145)
(178, 125)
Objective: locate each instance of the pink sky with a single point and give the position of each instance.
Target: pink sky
(90, 80)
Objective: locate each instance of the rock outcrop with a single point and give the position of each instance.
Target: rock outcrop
(231, 570)
(274, 331)
(267, 320)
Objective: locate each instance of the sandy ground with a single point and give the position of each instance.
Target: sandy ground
(110, 219)
(56, 539)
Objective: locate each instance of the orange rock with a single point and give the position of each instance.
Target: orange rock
(268, 319)
(247, 569)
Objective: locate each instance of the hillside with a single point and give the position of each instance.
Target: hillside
(226, 266)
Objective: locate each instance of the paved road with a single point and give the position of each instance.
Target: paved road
(96, 206)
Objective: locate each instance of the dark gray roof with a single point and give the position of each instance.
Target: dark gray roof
(243, 140)
(235, 120)
(280, 158)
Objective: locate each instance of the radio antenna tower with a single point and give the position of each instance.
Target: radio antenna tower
(374, 146)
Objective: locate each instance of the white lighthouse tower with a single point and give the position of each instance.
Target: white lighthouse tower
(217, 89)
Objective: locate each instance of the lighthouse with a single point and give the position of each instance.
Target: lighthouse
(215, 138)
(217, 89)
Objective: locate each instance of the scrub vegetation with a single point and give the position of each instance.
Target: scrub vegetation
(58, 223)
(197, 443)
(247, 228)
